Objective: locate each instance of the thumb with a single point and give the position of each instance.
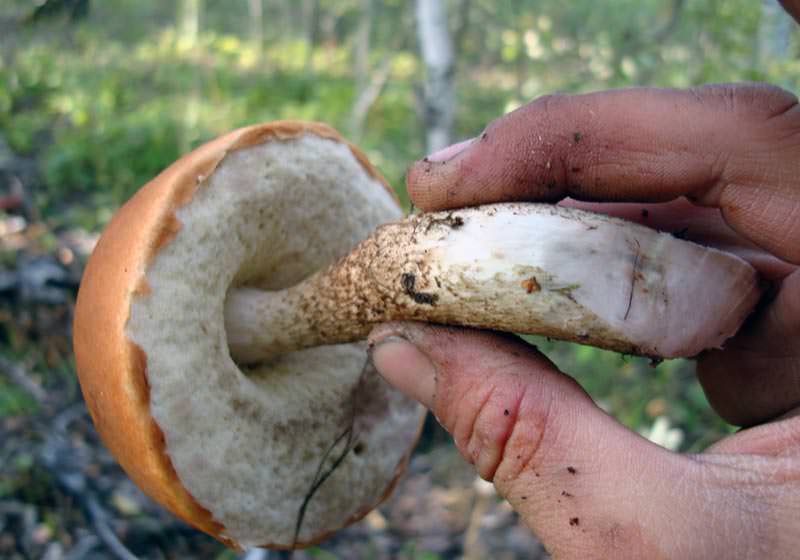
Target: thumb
(587, 486)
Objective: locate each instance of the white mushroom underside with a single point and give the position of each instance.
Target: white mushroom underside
(248, 446)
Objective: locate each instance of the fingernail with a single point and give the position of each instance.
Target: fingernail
(450, 151)
(406, 368)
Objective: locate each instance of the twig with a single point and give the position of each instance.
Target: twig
(19, 376)
(28, 519)
(322, 475)
(67, 416)
(370, 94)
(100, 523)
(484, 494)
(72, 480)
(82, 548)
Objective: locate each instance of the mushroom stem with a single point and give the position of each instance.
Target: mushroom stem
(526, 268)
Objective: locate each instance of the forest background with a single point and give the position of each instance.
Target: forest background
(96, 97)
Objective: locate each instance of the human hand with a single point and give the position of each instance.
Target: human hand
(721, 163)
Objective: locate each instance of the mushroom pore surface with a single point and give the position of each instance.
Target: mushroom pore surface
(249, 445)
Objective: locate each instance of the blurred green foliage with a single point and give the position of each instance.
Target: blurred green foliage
(111, 99)
(13, 402)
(107, 101)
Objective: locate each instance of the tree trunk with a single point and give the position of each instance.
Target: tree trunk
(521, 59)
(189, 21)
(189, 30)
(464, 10)
(311, 17)
(367, 96)
(361, 46)
(437, 54)
(256, 13)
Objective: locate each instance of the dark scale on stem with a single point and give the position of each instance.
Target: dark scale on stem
(408, 281)
(681, 233)
(451, 221)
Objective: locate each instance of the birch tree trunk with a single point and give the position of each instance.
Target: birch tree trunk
(189, 14)
(256, 12)
(361, 69)
(462, 27)
(437, 54)
(370, 80)
(311, 16)
(189, 21)
(361, 46)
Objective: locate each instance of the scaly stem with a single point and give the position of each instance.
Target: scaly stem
(523, 268)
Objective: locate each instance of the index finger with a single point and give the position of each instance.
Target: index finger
(735, 147)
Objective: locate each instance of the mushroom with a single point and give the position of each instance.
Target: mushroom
(219, 325)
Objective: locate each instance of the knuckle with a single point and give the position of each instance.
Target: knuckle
(542, 433)
(527, 442)
(552, 104)
(557, 136)
(552, 128)
(500, 404)
(768, 118)
(552, 113)
(483, 415)
(504, 431)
